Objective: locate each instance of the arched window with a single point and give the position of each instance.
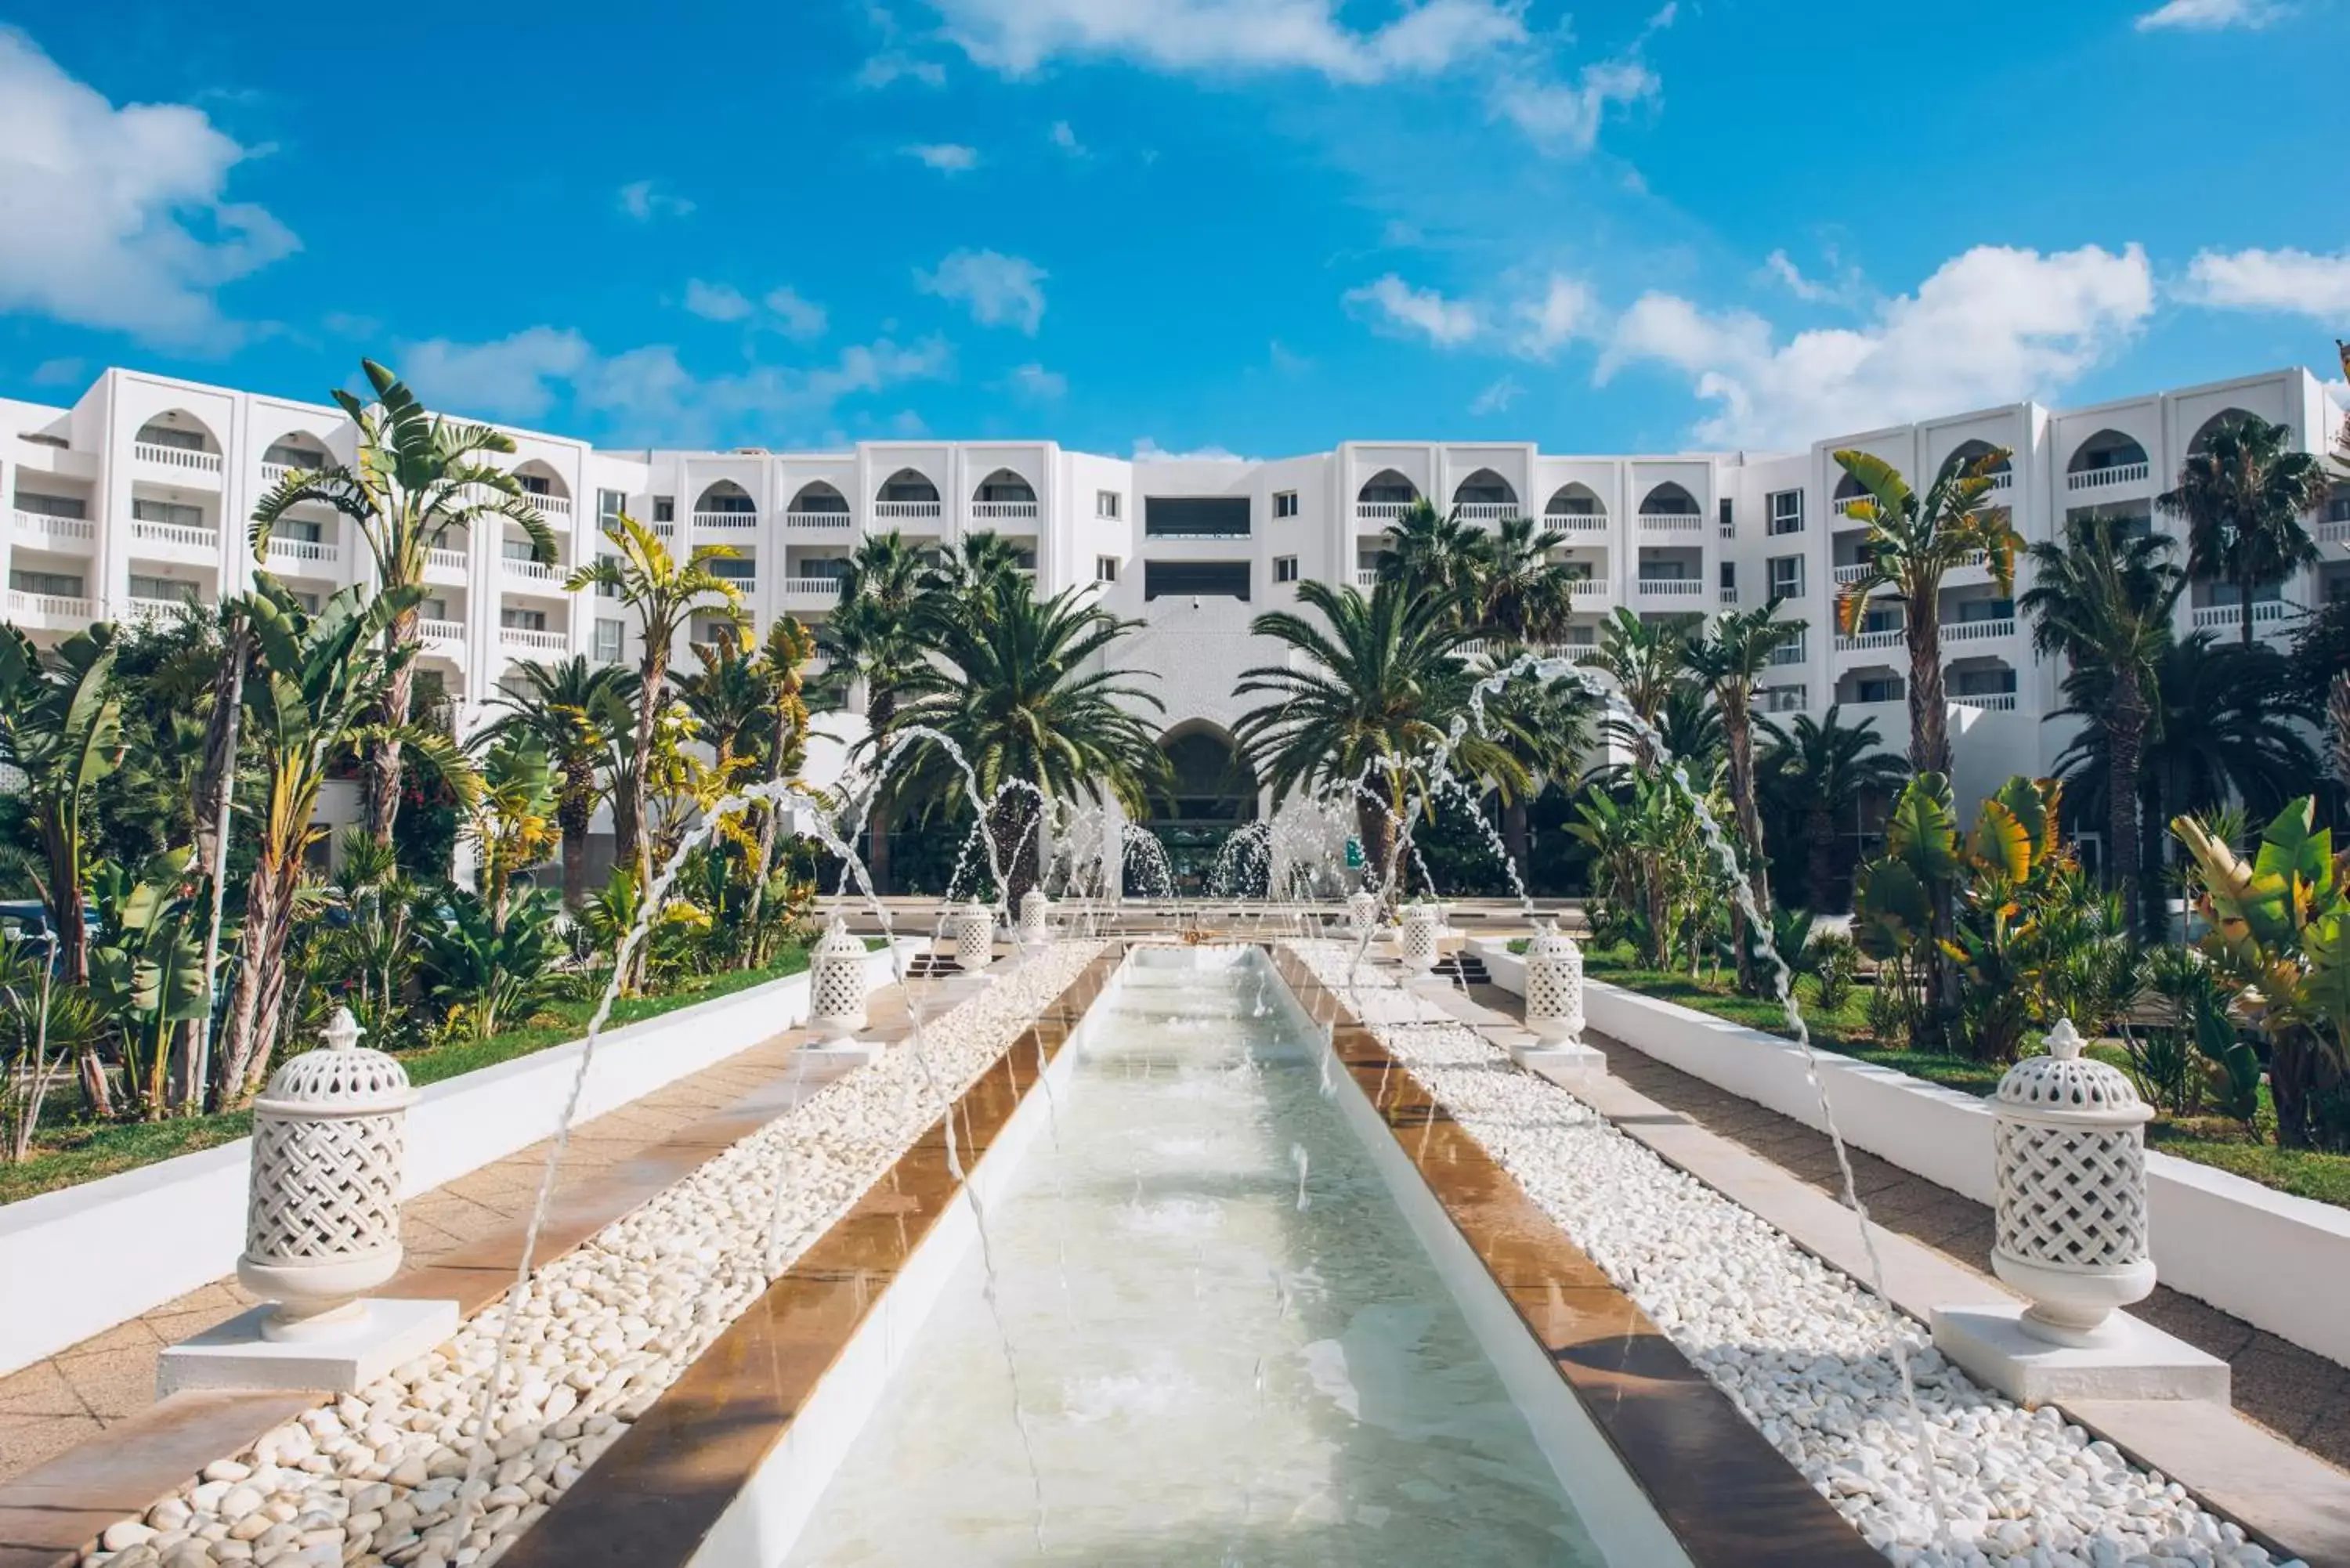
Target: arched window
(1969, 451)
(541, 483)
(1669, 500)
(1485, 488)
(819, 497)
(1387, 488)
(1005, 488)
(1575, 501)
(726, 496)
(2216, 422)
(297, 449)
(909, 487)
(177, 431)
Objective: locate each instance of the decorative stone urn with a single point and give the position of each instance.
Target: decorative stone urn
(1420, 924)
(1363, 911)
(322, 1218)
(1034, 909)
(2069, 1134)
(972, 927)
(836, 983)
(1553, 985)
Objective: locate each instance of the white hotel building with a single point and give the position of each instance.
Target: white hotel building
(135, 497)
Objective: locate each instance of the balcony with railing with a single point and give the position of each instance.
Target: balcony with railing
(1380, 513)
(2332, 531)
(1576, 522)
(1486, 511)
(50, 612)
(2111, 477)
(442, 638)
(1367, 577)
(725, 522)
(162, 612)
(1672, 523)
(533, 640)
(839, 521)
(528, 576)
(816, 593)
(909, 511)
(1592, 596)
(176, 540)
(1672, 587)
(1842, 504)
(2271, 618)
(1871, 641)
(1852, 572)
(45, 531)
(995, 513)
(302, 556)
(548, 504)
(1984, 701)
(1979, 630)
(445, 564)
(181, 463)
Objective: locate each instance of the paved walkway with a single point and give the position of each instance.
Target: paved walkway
(2297, 1394)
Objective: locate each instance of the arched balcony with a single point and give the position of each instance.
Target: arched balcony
(179, 446)
(1848, 491)
(1670, 509)
(295, 451)
(1575, 509)
(1988, 685)
(907, 496)
(819, 507)
(1386, 496)
(2106, 461)
(545, 487)
(303, 543)
(1484, 497)
(2002, 473)
(725, 507)
(2218, 423)
(1003, 497)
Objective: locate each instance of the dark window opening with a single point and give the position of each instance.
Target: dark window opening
(1219, 580)
(1195, 516)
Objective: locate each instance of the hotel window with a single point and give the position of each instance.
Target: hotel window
(1284, 504)
(1730, 582)
(1106, 505)
(432, 610)
(534, 483)
(1786, 576)
(523, 619)
(1196, 579)
(1786, 512)
(609, 634)
(52, 505)
(1195, 516)
(664, 508)
(178, 439)
(52, 585)
(1884, 690)
(301, 529)
(1728, 520)
(1883, 615)
(1105, 566)
(609, 504)
(1285, 568)
(171, 512)
(607, 590)
(1793, 652)
(1784, 699)
(307, 601)
(288, 454)
(170, 590)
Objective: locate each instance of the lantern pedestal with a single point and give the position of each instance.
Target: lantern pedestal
(1568, 1067)
(339, 1356)
(2127, 1359)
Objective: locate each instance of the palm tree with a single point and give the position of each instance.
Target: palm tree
(974, 568)
(2104, 598)
(1547, 727)
(729, 697)
(1913, 543)
(318, 680)
(1644, 658)
(1815, 773)
(784, 748)
(2243, 496)
(1381, 683)
(1730, 658)
(1434, 552)
(513, 814)
(577, 708)
(418, 479)
(665, 594)
(1023, 689)
(870, 637)
(1518, 592)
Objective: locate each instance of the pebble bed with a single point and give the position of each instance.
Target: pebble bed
(378, 1477)
(1807, 1354)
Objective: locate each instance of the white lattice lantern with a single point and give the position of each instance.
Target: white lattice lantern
(1554, 986)
(836, 983)
(322, 1221)
(1363, 911)
(2070, 1136)
(1034, 911)
(972, 927)
(1420, 924)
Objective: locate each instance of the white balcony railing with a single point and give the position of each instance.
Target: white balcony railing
(272, 474)
(1863, 642)
(42, 525)
(2268, 616)
(909, 511)
(1004, 512)
(1729, 596)
(176, 457)
(1597, 590)
(48, 607)
(551, 506)
(2336, 531)
(441, 558)
(744, 587)
(1672, 522)
(1486, 511)
(2003, 479)
(1842, 504)
(1379, 513)
(159, 611)
(1673, 588)
(815, 590)
(1576, 522)
(179, 535)
(1987, 702)
(530, 571)
(1978, 630)
(1367, 577)
(532, 639)
(2105, 478)
(725, 522)
(828, 522)
(443, 637)
(303, 552)
(1853, 572)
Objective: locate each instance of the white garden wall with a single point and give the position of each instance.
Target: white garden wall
(76, 1262)
(2280, 1262)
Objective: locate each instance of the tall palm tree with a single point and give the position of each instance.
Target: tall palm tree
(2243, 496)
(2104, 598)
(1380, 684)
(1814, 773)
(1517, 592)
(1023, 689)
(784, 748)
(419, 478)
(869, 638)
(1547, 727)
(1644, 658)
(666, 594)
(1913, 543)
(974, 568)
(1434, 552)
(1730, 658)
(728, 696)
(577, 708)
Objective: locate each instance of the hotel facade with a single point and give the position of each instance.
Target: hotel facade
(134, 501)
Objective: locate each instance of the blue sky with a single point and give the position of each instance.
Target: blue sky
(1256, 226)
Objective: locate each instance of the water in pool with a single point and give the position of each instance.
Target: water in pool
(1230, 1349)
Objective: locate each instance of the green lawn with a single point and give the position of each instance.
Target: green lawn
(65, 1155)
(2208, 1140)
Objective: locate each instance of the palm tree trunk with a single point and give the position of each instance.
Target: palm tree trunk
(575, 816)
(2153, 895)
(1517, 835)
(383, 763)
(1013, 818)
(769, 820)
(1822, 884)
(215, 794)
(1374, 825)
(876, 852)
(1739, 731)
(648, 700)
(2125, 745)
(1929, 717)
(249, 1020)
(2244, 610)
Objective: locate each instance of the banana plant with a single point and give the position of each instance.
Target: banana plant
(2280, 935)
(147, 970)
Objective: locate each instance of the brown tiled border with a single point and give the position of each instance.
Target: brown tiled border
(1730, 1499)
(655, 1496)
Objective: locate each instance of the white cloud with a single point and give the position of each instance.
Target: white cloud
(1809, 290)
(119, 218)
(1393, 305)
(1565, 117)
(1148, 450)
(2210, 16)
(60, 373)
(1018, 36)
(1497, 398)
(716, 301)
(1994, 325)
(647, 395)
(946, 157)
(1000, 290)
(793, 316)
(1067, 139)
(1036, 384)
(890, 66)
(2288, 280)
(644, 201)
(1563, 311)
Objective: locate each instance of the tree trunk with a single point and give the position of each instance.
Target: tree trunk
(574, 815)
(1822, 886)
(1012, 821)
(383, 763)
(769, 820)
(1737, 730)
(249, 1020)
(1930, 752)
(1517, 834)
(2125, 745)
(215, 795)
(655, 671)
(1374, 825)
(2154, 892)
